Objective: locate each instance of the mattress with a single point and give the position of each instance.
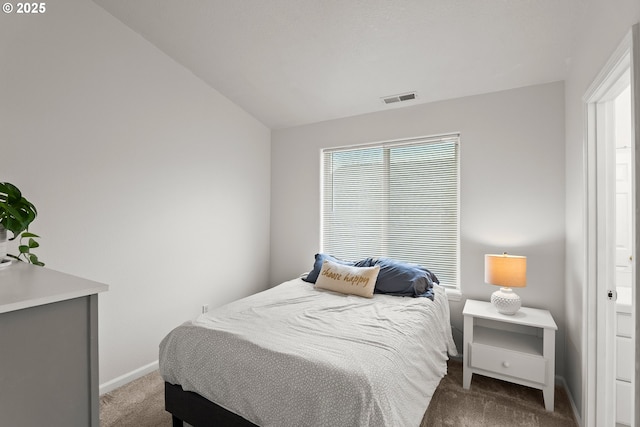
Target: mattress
(297, 356)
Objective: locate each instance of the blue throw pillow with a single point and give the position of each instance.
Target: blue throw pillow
(428, 294)
(317, 266)
(400, 278)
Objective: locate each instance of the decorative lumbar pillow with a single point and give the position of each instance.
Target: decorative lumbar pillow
(347, 279)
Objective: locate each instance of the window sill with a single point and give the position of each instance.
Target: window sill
(453, 294)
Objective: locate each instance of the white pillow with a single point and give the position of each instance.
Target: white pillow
(347, 279)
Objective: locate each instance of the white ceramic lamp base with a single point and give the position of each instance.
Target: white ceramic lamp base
(506, 301)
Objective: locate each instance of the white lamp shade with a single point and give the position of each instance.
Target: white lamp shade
(509, 271)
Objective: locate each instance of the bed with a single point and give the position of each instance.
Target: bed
(297, 355)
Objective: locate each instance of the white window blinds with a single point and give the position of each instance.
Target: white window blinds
(397, 200)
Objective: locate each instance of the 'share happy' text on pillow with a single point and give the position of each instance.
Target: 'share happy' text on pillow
(347, 279)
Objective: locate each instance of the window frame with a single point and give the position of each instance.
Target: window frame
(453, 291)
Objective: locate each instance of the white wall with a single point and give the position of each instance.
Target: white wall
(512, 187)
(601, 27)
(144, 177)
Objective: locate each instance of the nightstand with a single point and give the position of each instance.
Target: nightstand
(518, 348)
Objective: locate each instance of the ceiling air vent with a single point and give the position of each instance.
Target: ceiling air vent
(399, 98)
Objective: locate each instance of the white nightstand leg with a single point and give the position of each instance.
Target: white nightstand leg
(466, 378)
(549, 353)
(547, 392)
(467, 340)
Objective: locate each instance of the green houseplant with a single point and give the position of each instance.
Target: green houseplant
(16, 213)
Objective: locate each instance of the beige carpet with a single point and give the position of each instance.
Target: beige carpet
(489, 402)
(493, 403)
(137, 404)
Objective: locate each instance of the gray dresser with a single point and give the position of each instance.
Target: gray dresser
(48, 348)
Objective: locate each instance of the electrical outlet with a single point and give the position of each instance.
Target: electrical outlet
(205, 308)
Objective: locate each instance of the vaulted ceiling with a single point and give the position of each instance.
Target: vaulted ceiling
(293, 62)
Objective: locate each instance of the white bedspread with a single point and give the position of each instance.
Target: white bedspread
(297, 356)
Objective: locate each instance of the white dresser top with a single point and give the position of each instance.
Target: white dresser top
(23, 285)
(525, 316)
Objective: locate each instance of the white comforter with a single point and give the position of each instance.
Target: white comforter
(297, 356)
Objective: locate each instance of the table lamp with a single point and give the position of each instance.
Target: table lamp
(507, 271)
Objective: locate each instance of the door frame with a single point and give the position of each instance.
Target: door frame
(598, 267)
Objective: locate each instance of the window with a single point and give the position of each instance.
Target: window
(394, 199)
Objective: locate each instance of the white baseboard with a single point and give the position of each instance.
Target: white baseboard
(560, 380)
(128, 377)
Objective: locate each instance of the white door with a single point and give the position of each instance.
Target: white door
(611, 231)
(624, 215)
(624, 194)
(625, 203)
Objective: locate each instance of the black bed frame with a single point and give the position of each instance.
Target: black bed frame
(190, 407)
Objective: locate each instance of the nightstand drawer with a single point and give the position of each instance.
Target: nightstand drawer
(506, 362)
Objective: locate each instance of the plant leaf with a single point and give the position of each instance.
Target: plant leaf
(35, 261)
(24, 249)
(33, 244)
(12, 192)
